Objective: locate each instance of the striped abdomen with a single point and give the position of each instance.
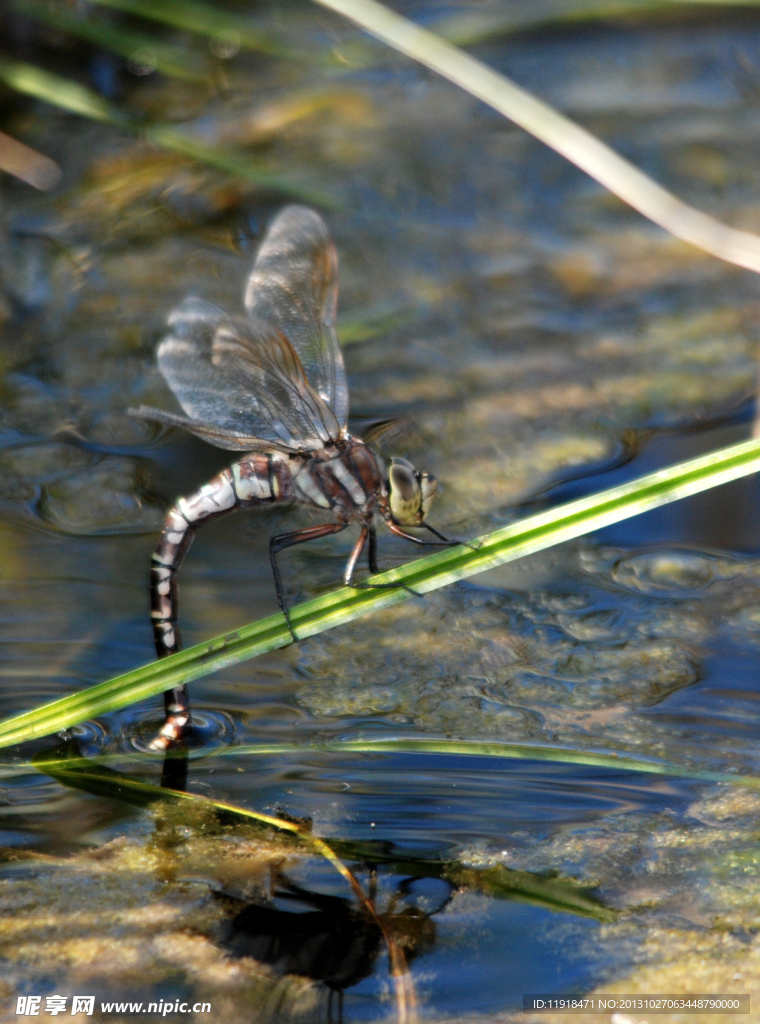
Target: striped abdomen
(255, 480)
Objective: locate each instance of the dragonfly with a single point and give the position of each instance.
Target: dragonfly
(272, 384)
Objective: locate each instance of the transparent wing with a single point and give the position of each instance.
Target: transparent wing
(382, 435)
(240, 382)
(235, 442)
(254, 351)
(294, 285)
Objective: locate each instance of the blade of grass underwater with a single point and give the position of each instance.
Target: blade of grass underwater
(580, 147)
(76, 99)
(135, 46)
(75, 771)
(534, 534)
(202, 19)
(440, 746)
(490, 748)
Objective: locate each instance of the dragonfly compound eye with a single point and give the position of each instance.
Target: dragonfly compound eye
(405, 493)
(428, 485)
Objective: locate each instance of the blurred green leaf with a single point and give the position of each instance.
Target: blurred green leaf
(203, 19)
(238, 164)
(77, 99)
(137, 47)
(60, 92)
(472, 25)
(373, 322)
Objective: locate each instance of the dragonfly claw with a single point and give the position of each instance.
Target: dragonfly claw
(290, 628)
(384, 586)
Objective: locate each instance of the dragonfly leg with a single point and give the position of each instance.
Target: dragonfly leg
(355, 556)
(446, 540)
(369, 533)
(373, 567)
(287, 540)
(442, 542)
(409, 536)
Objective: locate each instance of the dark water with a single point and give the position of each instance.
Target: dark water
(547, 344)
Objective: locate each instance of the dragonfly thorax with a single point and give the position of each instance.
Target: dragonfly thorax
(345, 476)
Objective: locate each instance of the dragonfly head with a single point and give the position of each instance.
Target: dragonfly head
(410, 493)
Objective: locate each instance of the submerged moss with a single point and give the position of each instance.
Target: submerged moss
(131, 914)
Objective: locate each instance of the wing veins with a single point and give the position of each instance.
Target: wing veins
(280, 382)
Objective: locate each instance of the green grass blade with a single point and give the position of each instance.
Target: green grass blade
(580, 147)
(135, 46)
(441, 747)
(71, 769)
(77, 99)
(60, 92)
(534, 534)
(494, 749)
(202, 19)
(239, 165)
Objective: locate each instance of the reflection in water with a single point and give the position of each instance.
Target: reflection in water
(175, 767)
(252, 907)
(325, 937)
